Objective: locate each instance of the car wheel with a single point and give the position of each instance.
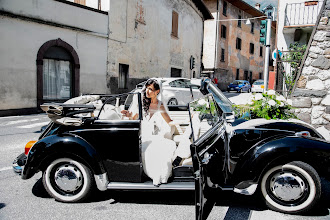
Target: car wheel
(241, 90)
(172, 101)
(67, 180)
(249, 91)
(291, 188)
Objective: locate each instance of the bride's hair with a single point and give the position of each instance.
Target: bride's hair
(146, 101)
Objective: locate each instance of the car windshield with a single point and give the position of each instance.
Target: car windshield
(224, 103)
(237, 82)
(258, 83)
(204, 114)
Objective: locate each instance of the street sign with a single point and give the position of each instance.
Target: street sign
(274, 54)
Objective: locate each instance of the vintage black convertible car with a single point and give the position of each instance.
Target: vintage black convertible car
(283, 159)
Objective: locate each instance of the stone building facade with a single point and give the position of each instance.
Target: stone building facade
(231, 47)
(311, 97)
(153, 38)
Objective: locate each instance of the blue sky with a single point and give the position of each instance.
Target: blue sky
(263, 3)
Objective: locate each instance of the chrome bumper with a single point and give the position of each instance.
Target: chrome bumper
(19, 163)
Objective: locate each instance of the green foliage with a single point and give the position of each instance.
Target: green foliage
(266, 105)
(293, 57)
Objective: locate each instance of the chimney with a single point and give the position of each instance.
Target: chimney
(257, 6)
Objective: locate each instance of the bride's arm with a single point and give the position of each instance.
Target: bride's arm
(164, 114)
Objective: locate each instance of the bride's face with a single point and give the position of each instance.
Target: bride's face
(151, 92)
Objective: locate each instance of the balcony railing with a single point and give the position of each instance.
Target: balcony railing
(302, 14)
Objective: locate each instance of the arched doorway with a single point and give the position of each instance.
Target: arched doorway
(57, 72)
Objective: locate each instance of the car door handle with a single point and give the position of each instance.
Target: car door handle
(207, 158)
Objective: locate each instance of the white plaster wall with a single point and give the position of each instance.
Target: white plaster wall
(209, 42)
(105, 4)
(19, 46)
(285, 36)
(58, 12)
(148, 47)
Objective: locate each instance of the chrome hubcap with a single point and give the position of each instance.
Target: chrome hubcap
(287, 186)
(68, 178)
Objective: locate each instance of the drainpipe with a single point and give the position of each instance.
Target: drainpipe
(216, 39)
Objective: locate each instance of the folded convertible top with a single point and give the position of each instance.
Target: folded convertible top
(66, 114)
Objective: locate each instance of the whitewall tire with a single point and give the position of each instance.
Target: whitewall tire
(291, 188)
(67, 180)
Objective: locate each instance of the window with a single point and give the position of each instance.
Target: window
(250, 77)
(224, 9)
(180, 83)
(222, 55)
(81, 2)
(237, 74)
(260, 75)
(223, 31)
(175, 25)
(123, 76)
(251, 48)
(261, 48)
(238, 43)
(252, 27)
(57, 74)
(175, 72)
(246, 74)
(239, 22)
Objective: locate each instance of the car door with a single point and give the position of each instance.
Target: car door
(176, 90)
(208, 151)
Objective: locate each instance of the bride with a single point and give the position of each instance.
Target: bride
(157, 148)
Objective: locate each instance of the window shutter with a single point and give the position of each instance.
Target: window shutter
(175, 20)
(81, 2)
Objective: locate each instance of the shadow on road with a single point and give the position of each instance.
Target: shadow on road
(236, 203)
(2, 205)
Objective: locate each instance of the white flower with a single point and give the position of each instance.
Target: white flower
(282, 104)
(271, 102)
(201, 102)
(258, 96)
(280, 98)
(289, 101)
(271, 92)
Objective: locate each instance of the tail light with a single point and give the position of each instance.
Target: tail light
(252, 86)
(303, 134)
(28, 147)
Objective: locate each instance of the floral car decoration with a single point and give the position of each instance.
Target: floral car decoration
(268, 105)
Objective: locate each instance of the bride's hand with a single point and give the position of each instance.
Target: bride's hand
(126, 113)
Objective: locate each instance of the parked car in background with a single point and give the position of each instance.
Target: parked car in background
(177, 91)
(239, 86)
(258, 86)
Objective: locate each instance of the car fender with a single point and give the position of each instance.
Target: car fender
(281, 150)
(67, 145)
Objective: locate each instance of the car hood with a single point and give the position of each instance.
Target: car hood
(293, 125)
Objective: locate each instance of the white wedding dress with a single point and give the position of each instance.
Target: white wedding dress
(157, 148)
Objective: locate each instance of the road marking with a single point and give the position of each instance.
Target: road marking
(34, 125)
(5, 168)
(21, 121)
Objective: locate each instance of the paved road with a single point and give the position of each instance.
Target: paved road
(27, 199)
(238, 98)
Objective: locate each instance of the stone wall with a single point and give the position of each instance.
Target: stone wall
(311, 97)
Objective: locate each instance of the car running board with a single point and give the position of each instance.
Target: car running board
(149, 186)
